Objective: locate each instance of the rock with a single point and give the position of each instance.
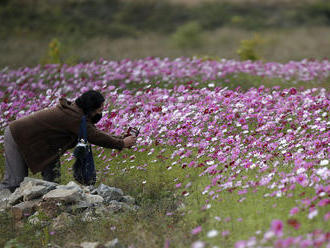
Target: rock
(34, 192)
(109, 193)
(29, 187)
(93, 199)
(63, 195)
(70, 186)
(114, 244)
(78, 208)
(53, 246)
(72, 245)
(128, 199)
(115, 207)
(90, 245)
(89, 216)
(24, 209)
(37, 182)
(101, 211)
(4, 198)
(61, 221)
(51, 208)
(15, 197)
(35, 219)
(59, 201)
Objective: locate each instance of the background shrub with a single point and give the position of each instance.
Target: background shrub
(188, 36)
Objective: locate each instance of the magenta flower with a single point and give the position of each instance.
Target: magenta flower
(294, 211)
(324, 202)
(294, 223)
(240, 244)
(277, 227)
(196, 230)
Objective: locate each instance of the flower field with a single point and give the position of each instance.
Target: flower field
(248, 165)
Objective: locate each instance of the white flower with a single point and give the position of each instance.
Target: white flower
(210, 162)
(301, 170)
(198, 244)
(211, 85)
(269, 235)
(324, 162)
(212, 233)
(324, 173)
(217, 218)
(322, 194)
(312, 214)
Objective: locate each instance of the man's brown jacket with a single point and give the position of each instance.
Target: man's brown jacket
(41, 135)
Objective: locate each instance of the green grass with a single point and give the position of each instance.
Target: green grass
(168, 213)
(280, 45)
(152, 225)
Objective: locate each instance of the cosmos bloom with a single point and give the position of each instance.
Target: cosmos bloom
(196, 230)
(224, 133)
(294, 211)
(277, 228)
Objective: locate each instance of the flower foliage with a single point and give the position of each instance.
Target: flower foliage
(281, 135)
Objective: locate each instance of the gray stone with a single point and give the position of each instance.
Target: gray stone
(78, 207)
(114, 244)
(89, 215)
(4, 198)
(101, 211)
(70, 186)
(90, 245)
(63, 195)
(62, 221)
(53, 246)
(35, 192)
(92, 199)
(128, 199)
(35, 219)
(15, 197)
(109, 193)
(30, 187)
(24, 209)
(115, 207)
(37, 182)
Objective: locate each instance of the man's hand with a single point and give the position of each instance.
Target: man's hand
(129, 141)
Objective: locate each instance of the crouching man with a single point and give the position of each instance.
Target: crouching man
(37, 141)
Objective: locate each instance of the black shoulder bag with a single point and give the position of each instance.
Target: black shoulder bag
(84, 168)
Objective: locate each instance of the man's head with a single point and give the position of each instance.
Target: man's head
(92, 103)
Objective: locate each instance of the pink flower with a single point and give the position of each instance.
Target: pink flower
(302, 180)
(294, 223)
(324, 202)
(327, 216)
(293, 91)
(294, 211)
(196, 230)
(240, 244)
(242, 192)
(277, 227)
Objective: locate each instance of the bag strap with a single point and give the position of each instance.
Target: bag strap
(83, 129)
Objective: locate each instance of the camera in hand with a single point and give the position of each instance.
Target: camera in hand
(132, 131)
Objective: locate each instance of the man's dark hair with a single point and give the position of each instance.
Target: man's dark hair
(90, 101)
